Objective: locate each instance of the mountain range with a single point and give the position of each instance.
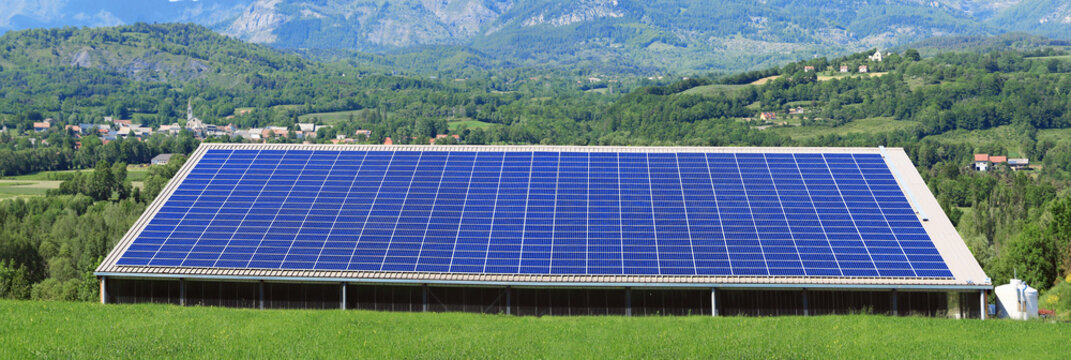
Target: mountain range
(621, 35)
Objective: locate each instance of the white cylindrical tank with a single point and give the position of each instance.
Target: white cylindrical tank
(1017, 301)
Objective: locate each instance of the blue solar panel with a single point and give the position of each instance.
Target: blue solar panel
(598, 213)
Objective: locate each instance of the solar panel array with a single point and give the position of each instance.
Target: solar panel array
(525, 212)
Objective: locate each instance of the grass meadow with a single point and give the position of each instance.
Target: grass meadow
(87, 330)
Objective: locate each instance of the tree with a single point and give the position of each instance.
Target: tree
(1031, 256)
(912, 55)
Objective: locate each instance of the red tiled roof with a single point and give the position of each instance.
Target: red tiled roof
(998, 159)
(981, 157)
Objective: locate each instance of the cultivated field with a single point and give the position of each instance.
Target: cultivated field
(88, 330)
(37, 184)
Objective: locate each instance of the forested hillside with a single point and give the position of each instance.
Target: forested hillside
(941, 109)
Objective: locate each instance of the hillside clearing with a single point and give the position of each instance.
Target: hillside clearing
(331, 118)
(89, 330)
(714, 90)
(471, 124)
(873, 125)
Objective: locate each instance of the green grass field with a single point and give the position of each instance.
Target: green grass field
(88, 330)
(331, 118)
(36, 184)
(713, 90)
(1006, 137)
(471, 124)
(133, 173)
(870, 125)
(10, 189)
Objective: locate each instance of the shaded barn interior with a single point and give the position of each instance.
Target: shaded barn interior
(540, 301)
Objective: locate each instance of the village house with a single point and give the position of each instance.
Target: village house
(278, 131)
(808, 68)
(981, 162)
(876, 56)
(77, 130)
(864, 69)
(768, 116)
(844, 68)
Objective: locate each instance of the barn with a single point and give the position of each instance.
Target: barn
(548, 230)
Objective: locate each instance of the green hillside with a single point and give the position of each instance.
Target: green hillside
(92, 331)
(168, 52)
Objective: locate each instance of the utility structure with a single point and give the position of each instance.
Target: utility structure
(548, 230)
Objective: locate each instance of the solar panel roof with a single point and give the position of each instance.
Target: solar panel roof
(537, 211)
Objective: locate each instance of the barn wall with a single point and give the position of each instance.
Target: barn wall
(530, 301)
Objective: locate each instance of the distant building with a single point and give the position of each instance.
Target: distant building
(161, 159)
(844, 68)
(864, 69)
(767, 116)
(172, 129)
(306, 127)
(87, 128)
(366, 133)
(994, 159)
(1019, 164)
(797, 110)
(388, 141)
(41, 126)
(981, 162)
(808, 68)
(280, 131)
(876, 56)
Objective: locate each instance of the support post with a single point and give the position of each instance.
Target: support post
(342, 302)
(984, 309)
(806, 304)
(103, 290)
(182, 292)
(714, 302)
(895, 303)
(509, 301)
(424, 296)
(260, 294)
(628, 301)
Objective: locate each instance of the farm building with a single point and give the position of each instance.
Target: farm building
(548, 230)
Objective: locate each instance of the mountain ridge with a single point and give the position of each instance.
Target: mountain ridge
(640, 36)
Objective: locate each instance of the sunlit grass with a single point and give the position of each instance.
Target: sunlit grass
(88, 330)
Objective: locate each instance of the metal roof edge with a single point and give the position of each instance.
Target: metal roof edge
(950, 287)
(521, 148)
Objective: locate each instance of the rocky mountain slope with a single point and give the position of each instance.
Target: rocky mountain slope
(634, 35)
